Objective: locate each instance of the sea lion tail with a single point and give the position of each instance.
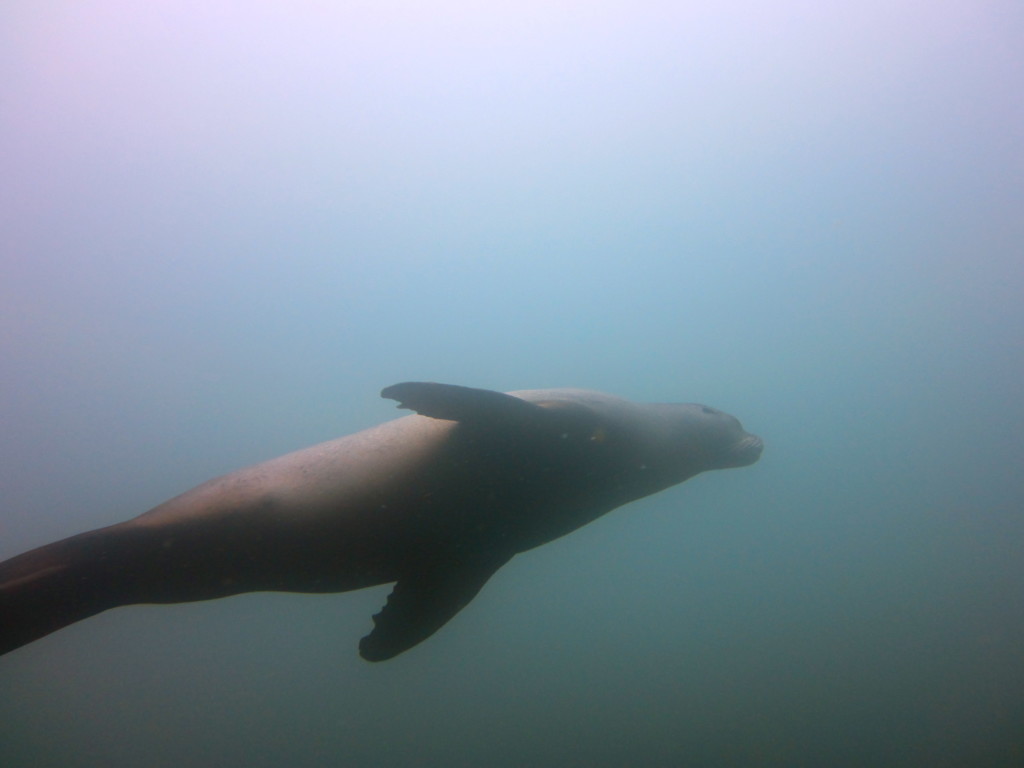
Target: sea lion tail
(44, 590)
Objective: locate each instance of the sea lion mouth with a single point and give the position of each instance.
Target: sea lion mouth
(748, 450)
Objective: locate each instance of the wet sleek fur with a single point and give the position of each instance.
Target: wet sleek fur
(435, 502)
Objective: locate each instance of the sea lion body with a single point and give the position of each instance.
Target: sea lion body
(434, 502)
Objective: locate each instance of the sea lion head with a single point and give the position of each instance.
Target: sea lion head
(698, 438)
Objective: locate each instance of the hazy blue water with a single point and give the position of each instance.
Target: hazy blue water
(225, 226)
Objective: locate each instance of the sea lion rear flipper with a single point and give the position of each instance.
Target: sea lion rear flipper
(455, 403)
(422, 602)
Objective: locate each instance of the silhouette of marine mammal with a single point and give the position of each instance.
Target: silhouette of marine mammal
(435, 502)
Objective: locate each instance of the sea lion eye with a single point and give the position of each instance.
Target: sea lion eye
(709, 411)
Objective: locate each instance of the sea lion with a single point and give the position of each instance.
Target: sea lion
(435, 502)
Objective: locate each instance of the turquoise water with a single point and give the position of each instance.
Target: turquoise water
(225, 227)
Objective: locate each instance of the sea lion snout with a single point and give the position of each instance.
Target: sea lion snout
(747, 450)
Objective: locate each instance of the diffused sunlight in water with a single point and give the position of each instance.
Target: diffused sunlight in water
(226, 227)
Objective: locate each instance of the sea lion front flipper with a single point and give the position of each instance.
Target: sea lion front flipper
(422, 602)
(455, 403)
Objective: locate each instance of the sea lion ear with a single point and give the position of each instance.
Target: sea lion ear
(455, 403)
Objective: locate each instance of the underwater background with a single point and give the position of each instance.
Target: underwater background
(226, 226)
